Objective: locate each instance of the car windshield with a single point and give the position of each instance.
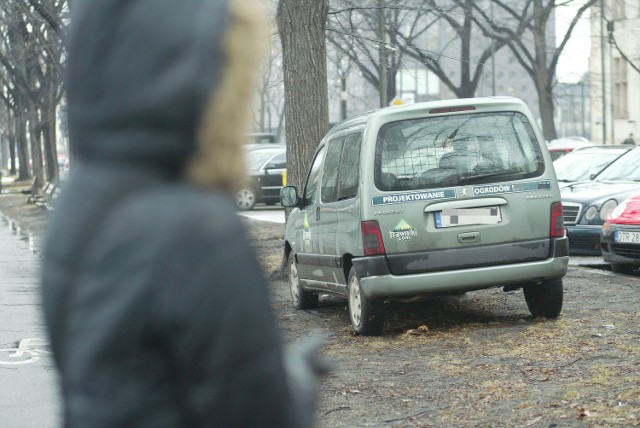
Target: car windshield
(256, 158)
(625, 168)
(578, 166)
(456, 150)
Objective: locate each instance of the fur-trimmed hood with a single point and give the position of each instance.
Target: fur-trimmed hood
(154, 84)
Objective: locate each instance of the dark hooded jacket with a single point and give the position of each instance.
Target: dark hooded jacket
(155, 304)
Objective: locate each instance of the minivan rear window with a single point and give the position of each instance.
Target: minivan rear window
(456, 150)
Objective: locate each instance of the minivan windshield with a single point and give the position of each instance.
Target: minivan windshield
(456, 150)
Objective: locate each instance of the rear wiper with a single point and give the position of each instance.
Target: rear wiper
(490, 174)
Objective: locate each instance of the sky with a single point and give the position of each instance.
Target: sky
(575, 58)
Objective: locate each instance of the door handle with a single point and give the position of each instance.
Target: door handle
(317, 213)
(469, 237)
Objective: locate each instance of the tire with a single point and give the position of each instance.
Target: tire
(544, 299)
(301, 299)
(622, 268)
(367, 316)
(246, 199)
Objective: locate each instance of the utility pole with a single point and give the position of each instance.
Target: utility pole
(493, 60)
(382, 52)
(613, 117)
(604, 87)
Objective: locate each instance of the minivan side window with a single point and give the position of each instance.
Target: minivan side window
(350, 167)
(311, 186)
(329, 186)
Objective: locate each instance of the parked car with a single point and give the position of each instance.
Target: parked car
(265, 169)
(561, 146)
(584, 163)
(620, 236)
(260, 138)
(587, 204)
(430, 198)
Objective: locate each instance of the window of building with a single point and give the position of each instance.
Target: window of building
(618, 10)
(620, 89)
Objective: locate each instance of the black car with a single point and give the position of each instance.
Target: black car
(265, 168)
(587, 204)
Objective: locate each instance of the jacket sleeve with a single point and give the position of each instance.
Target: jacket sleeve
(222, 337)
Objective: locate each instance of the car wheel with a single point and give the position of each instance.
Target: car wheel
(544, 299)
(301, 299)
(622, 268)
(367, 315)
(246, 199)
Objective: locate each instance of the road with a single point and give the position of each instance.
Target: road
(28, 391)
(273, 214)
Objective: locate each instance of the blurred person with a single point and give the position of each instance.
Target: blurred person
(155, 304)
(629, 140)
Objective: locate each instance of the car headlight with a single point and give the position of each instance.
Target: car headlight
(590, 213)
(607, 208)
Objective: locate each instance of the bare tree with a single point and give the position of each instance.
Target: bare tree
(301, 24)
(539, 59)
(31, 64)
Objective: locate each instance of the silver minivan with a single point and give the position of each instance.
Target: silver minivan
(431, 198)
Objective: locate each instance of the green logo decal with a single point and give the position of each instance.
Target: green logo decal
(306, 232)
(403, 231)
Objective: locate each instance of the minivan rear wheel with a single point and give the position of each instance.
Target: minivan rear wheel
(301, 299)
(544, 299)
(367, 315)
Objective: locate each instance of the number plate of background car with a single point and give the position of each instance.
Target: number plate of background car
(467, 216)
(627, 237)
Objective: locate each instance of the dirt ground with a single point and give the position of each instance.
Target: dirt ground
(466, 361)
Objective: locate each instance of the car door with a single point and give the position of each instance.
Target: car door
(305, 222)
(326, 216)
(271, 179)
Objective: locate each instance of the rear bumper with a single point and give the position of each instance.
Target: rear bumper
(377, 281)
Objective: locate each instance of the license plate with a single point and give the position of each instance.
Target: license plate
(627, 237)
(467, 216)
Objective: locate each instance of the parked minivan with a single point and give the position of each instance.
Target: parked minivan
(431, 198)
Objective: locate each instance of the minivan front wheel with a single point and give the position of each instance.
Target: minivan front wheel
(367, 315)
(301, 299)
(544, 299)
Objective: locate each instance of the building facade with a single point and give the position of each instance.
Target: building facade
(615, 71)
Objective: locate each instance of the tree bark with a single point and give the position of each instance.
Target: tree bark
(301, 24)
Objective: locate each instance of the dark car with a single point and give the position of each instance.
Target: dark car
(587, 204)
(265, 168)
(621, 236)
(584, 163)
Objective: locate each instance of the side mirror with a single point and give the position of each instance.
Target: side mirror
(289, 196)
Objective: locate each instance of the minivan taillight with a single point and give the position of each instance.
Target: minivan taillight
(372, 238)
(557, 221)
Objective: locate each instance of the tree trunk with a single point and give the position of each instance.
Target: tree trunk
(301, 24)
(35, 138)
(23, 151)
(49, 137)
(543, 76)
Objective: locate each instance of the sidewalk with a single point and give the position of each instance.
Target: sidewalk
(28, 391)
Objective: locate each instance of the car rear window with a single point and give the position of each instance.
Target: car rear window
(456, 150)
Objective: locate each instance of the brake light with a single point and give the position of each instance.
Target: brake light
(372, 238)
(451, 109)
(557, 221)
